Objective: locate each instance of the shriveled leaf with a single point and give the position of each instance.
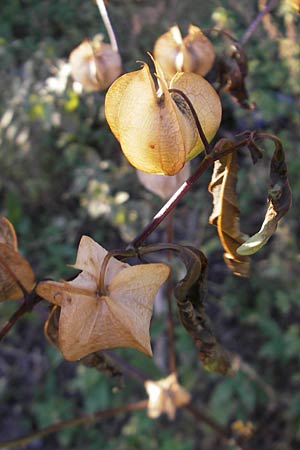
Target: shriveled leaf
(279, 202)
(7, 233)
(233, 69)
(190, 294)
(15, 271)
(226, 214)
(165, 396)
(102, 363)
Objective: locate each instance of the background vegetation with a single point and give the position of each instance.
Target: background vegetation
(63, 175)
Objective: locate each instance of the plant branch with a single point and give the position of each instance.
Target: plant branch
(88, 418)
(108, 26)
(26, 307)
(182, 190)
(223, 432)
(127, 368)
(254, 24)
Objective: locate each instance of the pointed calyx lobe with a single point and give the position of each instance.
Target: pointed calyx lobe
(119, 316)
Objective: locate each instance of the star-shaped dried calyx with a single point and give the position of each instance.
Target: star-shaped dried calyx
(95, 317)
(165, 396)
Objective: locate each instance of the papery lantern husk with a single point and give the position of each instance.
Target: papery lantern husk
(195, 53)
(157, 130)
(95, 65)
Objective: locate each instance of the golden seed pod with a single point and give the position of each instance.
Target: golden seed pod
(95, 65)
(195, 53)
(156, 129)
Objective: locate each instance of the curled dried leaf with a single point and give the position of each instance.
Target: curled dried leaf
(232, 73)
(16, 275)
(226, 214)
(165, 396)
(156, 129)
(95, 317)
(279, 202)
(190, 294)
(195, 53)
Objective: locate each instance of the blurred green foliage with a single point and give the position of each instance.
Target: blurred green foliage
(63, 175)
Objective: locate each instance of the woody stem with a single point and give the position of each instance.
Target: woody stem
(181, 191)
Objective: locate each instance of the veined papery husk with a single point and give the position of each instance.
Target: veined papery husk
(156, 129)
(95, 65)
(195, 53)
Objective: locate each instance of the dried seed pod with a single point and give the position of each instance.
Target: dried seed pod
(195, 53)
(95, 65)
(156, 129)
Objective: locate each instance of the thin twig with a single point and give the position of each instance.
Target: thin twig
(88, 418)
(223, 432)
(181, 191)
(108, 26)
(127, 368)
(254, 24)
(202, 417)
(23, 309)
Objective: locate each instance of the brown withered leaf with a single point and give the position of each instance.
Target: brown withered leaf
(190, 294)
(279, 202)
(232, 71)
(226, 214)
(15, 271)
(7, 233)
(94, 319)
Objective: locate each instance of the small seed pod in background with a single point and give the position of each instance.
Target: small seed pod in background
(161, 184)
(195, 53)
(94, 64)
(156, 128)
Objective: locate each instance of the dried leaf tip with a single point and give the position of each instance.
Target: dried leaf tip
(90, 321)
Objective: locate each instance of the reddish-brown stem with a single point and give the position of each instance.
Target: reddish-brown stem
(201, 417)
(182, 190)
(254, 24)
(88, 418)
(127, 368)
(24, 308)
